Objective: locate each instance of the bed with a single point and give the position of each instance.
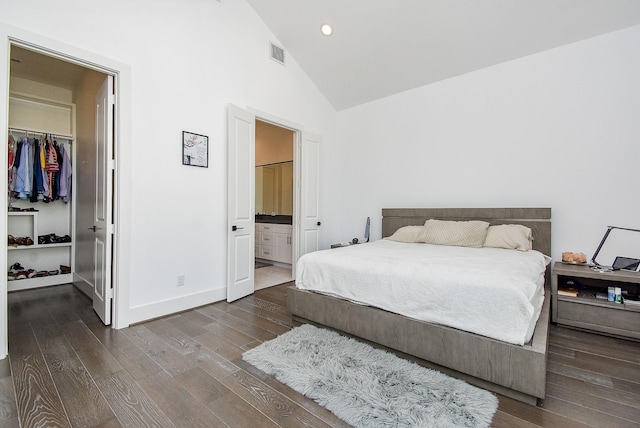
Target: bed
(499, 364)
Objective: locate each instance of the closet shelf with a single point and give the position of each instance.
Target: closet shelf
(38, 246)
(44, 281)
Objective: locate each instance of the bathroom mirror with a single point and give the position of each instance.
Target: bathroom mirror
(274, 189)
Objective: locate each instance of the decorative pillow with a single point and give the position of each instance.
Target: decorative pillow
(408, 234)
(510, 236)
(458, 233)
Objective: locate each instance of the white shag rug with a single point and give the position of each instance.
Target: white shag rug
(368, 387)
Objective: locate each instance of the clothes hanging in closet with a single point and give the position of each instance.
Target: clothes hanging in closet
(39, 170)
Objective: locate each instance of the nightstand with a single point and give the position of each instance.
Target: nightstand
(588, 312)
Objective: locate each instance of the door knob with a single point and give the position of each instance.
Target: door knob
(319, 223)
(234, 228)
(92, 228)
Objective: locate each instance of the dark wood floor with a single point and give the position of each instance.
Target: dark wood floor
(67, 369)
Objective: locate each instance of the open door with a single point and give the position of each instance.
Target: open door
(309, 233)
(103, 221)
(241, 203)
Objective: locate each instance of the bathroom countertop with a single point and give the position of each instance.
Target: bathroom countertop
(275, 219)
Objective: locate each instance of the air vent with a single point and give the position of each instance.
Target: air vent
(277, 53)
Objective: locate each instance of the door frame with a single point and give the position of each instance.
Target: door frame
(10, 35)
(297, 139)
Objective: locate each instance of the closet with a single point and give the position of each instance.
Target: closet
(40, 248)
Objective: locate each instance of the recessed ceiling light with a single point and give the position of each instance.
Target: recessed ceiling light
(326, 29)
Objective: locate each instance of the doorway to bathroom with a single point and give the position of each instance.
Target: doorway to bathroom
(274, 204)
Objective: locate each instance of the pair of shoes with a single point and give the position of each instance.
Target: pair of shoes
(41, 273)
(46, 239)
(23, 241)
(16, 267)
(52, 238)
(53, 272)
(11, 240)
(65, 269)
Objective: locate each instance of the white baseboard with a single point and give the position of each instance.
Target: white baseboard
(148, 312)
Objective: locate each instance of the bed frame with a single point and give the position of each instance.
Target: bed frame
(515, 371)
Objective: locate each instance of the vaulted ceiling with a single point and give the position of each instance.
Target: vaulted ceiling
(380, 48)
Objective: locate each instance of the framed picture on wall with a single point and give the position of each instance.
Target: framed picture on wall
(195, 149)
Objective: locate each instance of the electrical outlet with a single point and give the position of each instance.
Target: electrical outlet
(180, 280)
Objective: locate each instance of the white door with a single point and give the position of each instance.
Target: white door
(241, 203)
(310, 223)
(103, 221)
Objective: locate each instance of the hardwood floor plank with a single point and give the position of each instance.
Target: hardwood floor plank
(253, 306)
(82, 400)
(235, 412)
(95, 357)
(591, 417)
(132, 406)
(264, 323)
(601, 365)
(304, 402)
(175, 338)
(582, 387)
(201, 385)
(606, 406)
(577, 373)
(183, 323)
(178, 404)
(133, 359)
(628, 354)
(229, 334)
(220, 346)
(268, 305)
(37, 398)
(212, 363)
(535, 415)
(248, 328)
(8, 409)
(197, 318)
(158, 350)
(276, 406)
(505, 420)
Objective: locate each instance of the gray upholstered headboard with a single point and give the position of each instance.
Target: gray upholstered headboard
(538, 219)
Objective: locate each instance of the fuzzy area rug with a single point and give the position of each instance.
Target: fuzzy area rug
(368, 387)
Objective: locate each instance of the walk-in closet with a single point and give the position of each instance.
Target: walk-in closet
(40, 191)
(60, 175)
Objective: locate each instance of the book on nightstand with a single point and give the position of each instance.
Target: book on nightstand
(569, 292)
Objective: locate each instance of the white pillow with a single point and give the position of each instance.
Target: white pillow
(408, 234)
(510, 236)
(458, 233)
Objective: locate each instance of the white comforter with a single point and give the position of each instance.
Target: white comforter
(488, 291)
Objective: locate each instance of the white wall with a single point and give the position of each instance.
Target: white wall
(557, 129)
(188, 61)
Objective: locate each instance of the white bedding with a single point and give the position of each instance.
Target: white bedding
(493, 292)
